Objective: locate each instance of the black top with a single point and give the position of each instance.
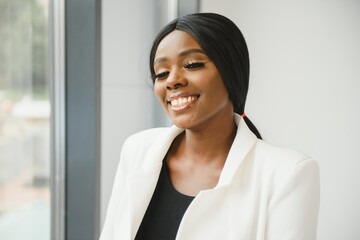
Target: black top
(165, 210)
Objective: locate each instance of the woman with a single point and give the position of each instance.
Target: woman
(210, 176)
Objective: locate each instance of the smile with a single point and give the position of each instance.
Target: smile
(182, 102)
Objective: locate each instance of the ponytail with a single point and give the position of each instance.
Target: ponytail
(251, 126)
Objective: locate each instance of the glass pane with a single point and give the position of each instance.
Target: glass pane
(24, 120)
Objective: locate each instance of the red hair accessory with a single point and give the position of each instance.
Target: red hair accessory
(243, 115)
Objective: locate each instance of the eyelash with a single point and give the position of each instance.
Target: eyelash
(190, 66)
(161, 75)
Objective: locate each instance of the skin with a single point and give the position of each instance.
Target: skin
(197, 156)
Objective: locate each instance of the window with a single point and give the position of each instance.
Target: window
(25, 199)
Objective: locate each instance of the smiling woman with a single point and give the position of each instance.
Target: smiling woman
(184, 73)
(209, 176)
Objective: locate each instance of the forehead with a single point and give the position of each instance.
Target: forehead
(176, 42)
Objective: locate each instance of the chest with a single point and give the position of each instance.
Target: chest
(190, 179)
(225, 212)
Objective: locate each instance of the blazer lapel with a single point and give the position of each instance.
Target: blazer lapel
(209, 201)
(141, 184)
(241, 146)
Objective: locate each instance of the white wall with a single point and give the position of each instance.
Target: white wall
(128, 103)
(127, 99)
(305, 92)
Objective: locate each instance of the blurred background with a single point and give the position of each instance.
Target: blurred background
(74, 84)
(24, 120)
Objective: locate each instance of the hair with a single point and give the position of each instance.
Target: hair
(223, 42)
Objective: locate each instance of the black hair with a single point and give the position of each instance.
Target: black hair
(223, 42)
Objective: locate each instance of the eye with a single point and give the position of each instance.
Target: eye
(162, 75)
(194, 65)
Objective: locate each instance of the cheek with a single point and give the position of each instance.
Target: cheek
(159, 91)
(218, 92)
(216, 86)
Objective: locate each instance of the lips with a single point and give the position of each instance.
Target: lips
(181, 101)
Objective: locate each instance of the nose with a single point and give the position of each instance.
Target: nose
(175, 86)
(175, 80)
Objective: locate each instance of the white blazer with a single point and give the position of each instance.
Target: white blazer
(264, 192)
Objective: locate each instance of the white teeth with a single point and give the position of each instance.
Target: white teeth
(182, 101)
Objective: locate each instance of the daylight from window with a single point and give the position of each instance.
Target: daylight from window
(24, 120)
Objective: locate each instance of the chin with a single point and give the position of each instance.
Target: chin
(186, 124)
(182, 123)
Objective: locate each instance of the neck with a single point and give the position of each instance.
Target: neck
(209, 144)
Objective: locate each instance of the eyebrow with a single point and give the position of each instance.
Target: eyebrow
(182, 54)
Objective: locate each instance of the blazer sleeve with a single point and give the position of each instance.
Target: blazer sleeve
(293, 209)
(116, 194)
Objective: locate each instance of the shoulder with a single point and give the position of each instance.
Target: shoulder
(136, 147)
(280, 163)
(142, 141)
(278, 155)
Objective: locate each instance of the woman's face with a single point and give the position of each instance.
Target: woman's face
(188, 84)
